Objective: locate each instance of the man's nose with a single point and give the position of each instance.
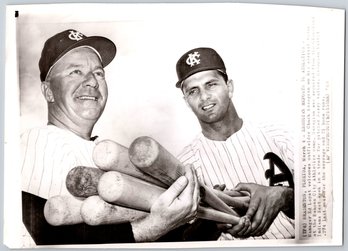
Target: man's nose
(91, 81)
(204, 95)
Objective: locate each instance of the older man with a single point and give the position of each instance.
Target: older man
(74, 86)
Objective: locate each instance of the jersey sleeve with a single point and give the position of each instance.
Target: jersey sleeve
(45, 163)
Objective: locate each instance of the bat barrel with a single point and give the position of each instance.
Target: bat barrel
(96, 211)
(63, 210)
(122, 189)
(108, 155)
(150, 157)
(83, 181)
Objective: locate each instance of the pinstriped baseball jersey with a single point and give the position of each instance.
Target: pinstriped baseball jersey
(240, 159)
(48, 154)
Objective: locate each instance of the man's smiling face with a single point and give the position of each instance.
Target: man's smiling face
(78, 87)
(208, 95)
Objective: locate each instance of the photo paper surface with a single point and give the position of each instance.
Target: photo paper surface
(286, 76)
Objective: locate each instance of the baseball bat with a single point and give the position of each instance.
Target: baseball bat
(96, 211)
(122, 189)
(152, 158)
(235, 193)
(83, 181)
(63, 210)
(240, 202)
(217, 216)
(109, 155)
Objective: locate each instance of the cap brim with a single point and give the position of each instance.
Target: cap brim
(104, 46)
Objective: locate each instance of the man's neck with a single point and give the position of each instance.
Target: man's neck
(220, 131)
(84, 131)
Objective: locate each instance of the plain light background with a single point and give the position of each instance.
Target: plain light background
(244, 66)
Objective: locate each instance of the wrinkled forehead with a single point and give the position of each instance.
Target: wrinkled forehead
(201, 78)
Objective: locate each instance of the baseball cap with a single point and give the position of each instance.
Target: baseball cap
(197, 60)
(61, 43)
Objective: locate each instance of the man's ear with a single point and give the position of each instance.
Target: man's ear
(47, 92)
(230, 87)
(184, 96)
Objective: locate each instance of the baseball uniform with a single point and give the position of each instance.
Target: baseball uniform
(240, 159)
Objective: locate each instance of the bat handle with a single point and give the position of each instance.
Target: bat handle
(218, 216)
(214, 201)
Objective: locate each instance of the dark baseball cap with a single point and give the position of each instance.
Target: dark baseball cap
(197, 60)
(61, 43)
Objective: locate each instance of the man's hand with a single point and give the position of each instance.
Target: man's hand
(173, 208)
(265, 204)
(242, 226)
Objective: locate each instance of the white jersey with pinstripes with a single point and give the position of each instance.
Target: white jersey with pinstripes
(48, 154)
(240, 159)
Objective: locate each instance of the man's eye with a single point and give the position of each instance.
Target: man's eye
(76, 72)
(100, 74)
(212, 84)
(192, 92)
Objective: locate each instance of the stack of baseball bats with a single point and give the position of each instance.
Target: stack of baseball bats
(126, 184)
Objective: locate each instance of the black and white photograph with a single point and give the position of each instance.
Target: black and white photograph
(173, 125)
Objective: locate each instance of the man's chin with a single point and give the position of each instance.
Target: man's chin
(92, 116)
(209, 120)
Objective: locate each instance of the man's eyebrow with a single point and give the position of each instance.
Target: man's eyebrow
(213, 79)
(99, 68)
(74, 65)
(189, 88)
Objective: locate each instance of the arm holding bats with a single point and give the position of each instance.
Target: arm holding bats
(173, 208)
(182, 190)
(149, 227)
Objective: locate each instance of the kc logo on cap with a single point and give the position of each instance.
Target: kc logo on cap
(61, 43)
(75, 35)
(197, 60)
(193, 58)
